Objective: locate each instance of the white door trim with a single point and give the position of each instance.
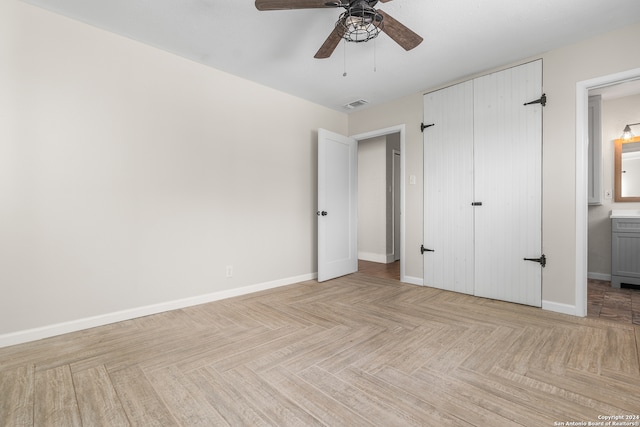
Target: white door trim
(387, 131)
(582, 158)
(395, 210)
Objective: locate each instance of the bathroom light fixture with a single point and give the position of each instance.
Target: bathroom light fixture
(626, 133)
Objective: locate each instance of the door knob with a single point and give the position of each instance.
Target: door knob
(323, 213)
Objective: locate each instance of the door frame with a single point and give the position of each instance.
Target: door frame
(395, 209)
(401, 129)
(582, 180)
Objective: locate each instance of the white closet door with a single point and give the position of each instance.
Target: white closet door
(448, 188)
(508, 182)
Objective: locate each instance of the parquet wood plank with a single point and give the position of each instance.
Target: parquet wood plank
(589, 348)
(142, 347)
(553, 354)
(16, 396)
(529, 401)
(517, 358)
(587, 407)
(320, 405)
(356, 350)
(55, 398)
(273, 404)
(620, 393)
(363, 404)
(618, 355)
(462, 347)
(256, 353)
(184, 400)
(451, 396)
(406, 402)
(229, 401)
(139, 399)
(98, 402)
(249, 338)
(488, 352)
(299, 350)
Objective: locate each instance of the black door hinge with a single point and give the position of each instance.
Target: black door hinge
(542, 101)
(423, 249)
(542, 260)
(423, 126)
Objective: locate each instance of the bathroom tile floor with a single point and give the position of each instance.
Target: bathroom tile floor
(620, 305)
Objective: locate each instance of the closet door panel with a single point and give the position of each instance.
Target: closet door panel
(448, 188)
(508, 182)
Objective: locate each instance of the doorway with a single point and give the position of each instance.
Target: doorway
(394, 209)
(613, 106)
(582, 159)
(379, 199)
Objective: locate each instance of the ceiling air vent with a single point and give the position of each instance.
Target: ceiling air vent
(355, 104)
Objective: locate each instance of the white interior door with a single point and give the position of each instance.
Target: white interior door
(337, 205)
(448, 189)
(508, 183)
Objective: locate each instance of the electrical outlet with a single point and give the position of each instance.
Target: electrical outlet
(229, 271)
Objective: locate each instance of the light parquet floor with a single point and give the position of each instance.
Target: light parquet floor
(354, 351)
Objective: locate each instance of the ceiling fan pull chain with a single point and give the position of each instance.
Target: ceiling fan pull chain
(344, 43)
(375, 59)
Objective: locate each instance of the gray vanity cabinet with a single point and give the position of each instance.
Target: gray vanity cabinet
(625, 251)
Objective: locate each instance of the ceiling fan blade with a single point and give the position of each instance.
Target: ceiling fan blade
(294, 4)
(329, 45)
(398, 32)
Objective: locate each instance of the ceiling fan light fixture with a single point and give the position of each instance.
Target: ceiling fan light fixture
(359, 25)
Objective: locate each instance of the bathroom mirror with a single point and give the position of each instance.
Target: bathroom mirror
(627, 170)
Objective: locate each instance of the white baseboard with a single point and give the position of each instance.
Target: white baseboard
(413, 280)
(559, 307)
(391, 258)
(599, 276)
(370, 256)
(105, 319)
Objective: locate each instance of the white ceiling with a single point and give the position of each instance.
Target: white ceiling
(276, 48)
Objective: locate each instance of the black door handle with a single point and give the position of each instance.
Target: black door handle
(323, 213)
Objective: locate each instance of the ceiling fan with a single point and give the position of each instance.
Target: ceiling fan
(359, 23)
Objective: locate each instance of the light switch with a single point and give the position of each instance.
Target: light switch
(412, 180)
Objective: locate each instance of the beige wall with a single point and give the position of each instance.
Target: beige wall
(375, 198)
(131, 177)
(372, 202)
(562, 69)
(616, 113)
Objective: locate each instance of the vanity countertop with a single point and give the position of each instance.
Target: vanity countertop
(625, 213)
